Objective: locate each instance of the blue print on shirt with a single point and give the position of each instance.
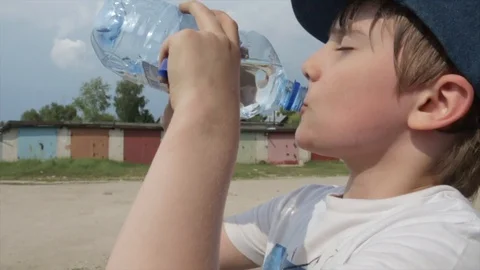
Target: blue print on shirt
(277, 260)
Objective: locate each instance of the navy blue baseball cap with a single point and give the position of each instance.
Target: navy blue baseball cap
(455, 23)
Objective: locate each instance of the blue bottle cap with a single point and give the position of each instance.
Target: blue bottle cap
(163, 70)
(293, 96)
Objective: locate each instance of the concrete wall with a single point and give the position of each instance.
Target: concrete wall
(261, 147)
(63, 143)
(304, 155)
(282, 149)
(253, 148)
(115, 145)
(247, 149)
(10, 145)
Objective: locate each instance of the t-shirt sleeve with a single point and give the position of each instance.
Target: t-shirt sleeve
(249, 231)
(402, 248)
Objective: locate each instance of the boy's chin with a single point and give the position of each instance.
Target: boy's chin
(310, 141)
(305, 139)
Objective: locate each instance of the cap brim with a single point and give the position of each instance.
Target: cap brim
(317, 16)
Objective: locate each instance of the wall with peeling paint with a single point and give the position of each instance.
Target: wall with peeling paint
(136, 145)
(37, 143)
(64, 143)
(9, 145)
(115, 145)
(261, 148)
(140, 146)
(253, 148)
(304, 155)
(89, 143)
(247, 149)
(282, 149)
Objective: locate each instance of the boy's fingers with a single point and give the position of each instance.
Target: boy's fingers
(164, 51)
(229, 26)
(205, 18)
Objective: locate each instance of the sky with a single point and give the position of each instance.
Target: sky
(46, 54)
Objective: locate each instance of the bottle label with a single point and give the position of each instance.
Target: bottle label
(153, 79)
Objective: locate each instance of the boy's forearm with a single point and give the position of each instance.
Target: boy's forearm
(195, 160)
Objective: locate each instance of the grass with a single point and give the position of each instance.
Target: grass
(327, 168)
(96, 169)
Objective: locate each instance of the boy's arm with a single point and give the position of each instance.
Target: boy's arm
(230, 257)
(186, 186)
(176, 220)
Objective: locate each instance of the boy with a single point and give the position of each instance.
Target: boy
(394, 93)
(388, 99)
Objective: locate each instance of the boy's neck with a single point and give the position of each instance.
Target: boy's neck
(401, 169)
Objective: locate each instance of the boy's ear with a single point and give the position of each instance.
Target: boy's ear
(442, 104)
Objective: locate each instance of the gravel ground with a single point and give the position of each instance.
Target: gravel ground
(73, 226)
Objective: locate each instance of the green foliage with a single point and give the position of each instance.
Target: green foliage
(52, 113)
(58, 113)
(284, 112)
(130, 103)
(94, 101)
(31, 115)
(293, 117)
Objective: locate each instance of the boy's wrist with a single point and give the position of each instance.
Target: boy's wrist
(207, 117)
(209, 110)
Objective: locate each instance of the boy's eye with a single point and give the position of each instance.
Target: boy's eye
(344, 48)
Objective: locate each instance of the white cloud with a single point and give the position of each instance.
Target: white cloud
(67, 53)
(70, 19)
(73, 19)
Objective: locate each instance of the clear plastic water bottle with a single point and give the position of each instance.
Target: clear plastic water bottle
(128, 34)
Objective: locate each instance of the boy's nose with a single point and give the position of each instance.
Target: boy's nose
(311, 69)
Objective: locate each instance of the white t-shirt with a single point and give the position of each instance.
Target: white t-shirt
(310, 228)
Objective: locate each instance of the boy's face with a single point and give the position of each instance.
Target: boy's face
(352, 106)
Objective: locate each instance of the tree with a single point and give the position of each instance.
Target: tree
(58, 113)
(52, 113)
(293, 117)
(130, 103)
(94, 101)
(31, 115)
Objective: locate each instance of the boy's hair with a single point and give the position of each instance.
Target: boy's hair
(419, 61)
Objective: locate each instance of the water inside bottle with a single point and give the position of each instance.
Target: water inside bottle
(262, 86)
(128, 42)
(128, 35)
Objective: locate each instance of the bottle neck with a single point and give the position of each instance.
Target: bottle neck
(294, 95)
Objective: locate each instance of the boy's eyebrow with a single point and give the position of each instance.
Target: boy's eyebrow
(341, 31)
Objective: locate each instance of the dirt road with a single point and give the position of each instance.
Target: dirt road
(73, 226)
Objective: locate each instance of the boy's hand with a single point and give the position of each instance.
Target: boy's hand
(203, 65)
